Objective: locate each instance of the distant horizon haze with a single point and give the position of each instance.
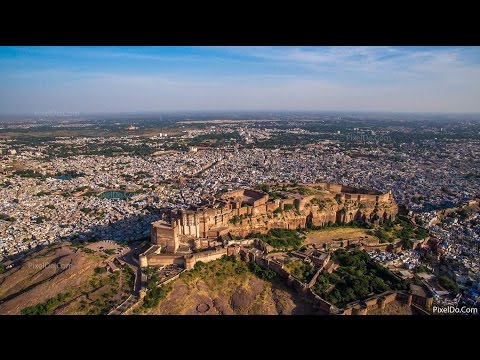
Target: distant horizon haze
(106, 79)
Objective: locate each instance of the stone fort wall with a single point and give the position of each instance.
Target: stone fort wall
(230, 216)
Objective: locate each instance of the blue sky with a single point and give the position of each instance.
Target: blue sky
(130, 79)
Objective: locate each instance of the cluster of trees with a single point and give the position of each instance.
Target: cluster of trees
(155, 293)
(449, 284)
(40, 219)
(109, 148)
(265, 274)
(408, 232)
(381, 234)
(46, 307)
(301, 270)
(215, 272)
(29, 173)
(263, 187)
(280, 238)
(355, 279)
(422, 269)
(272, 195)
(100, 270)
(463, 214)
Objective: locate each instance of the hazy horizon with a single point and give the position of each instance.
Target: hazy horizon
(109, 80)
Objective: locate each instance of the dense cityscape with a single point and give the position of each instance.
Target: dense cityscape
(143, 194)
(116, 193)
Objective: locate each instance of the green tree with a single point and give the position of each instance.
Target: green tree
(449, 284)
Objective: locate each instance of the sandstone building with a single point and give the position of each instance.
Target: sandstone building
(245, 211)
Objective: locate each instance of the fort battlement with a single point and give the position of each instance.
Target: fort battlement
(245, 211)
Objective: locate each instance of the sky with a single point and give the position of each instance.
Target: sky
(134, 79)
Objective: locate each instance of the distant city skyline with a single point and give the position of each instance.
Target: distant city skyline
(82, 80)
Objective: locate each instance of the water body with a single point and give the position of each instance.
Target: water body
(64, 177)
(116, 195)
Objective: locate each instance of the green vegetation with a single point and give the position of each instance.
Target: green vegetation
(46, 307)
(69, 174)
(402, 229)
(28, 173)
(449, 284)
(154, 295)
(422, 269)
(408, 231)
(463, 213)
(7, 218)
(272, 195)
(352, 224)
(2, 268)
(382, 235)
(129, 276)
(237, 219)
(50, 206)
(152, 281)
(278, 210)
(40, 220)
(149, 271)
(261, 273)
(288, 207)
(280, 238)
(301, 270)
(407, 244)
(305, 190)
(355, 279)
(100, 270)
(101, 305)
(142, 175)
(42, 193)
(245, 204)
(264, 188)
(215, 273)
(107, 148)
(6, 183)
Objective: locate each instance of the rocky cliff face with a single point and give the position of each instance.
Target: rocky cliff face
(318, 213)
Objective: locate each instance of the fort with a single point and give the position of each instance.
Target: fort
(181, 234)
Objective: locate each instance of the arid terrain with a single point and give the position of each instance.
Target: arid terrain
(394, 308)
(231, 289)
(64, 279)
(328, 235)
